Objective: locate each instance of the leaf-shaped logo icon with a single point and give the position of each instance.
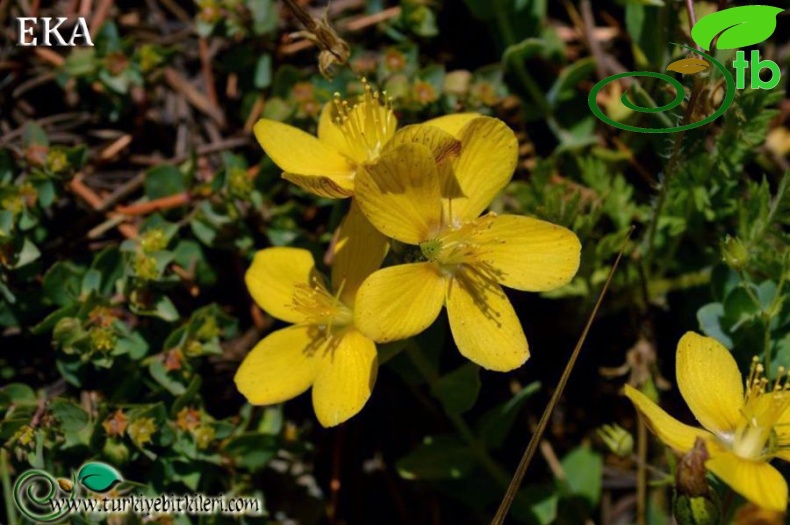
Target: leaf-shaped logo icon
(739, 26)
(689, 66)
(98, 477)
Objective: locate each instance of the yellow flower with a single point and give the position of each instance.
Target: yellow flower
(350, 136)
(743, 429)
(323, 348)
(413, 198)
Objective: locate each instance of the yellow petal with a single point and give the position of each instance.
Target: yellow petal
(329, 133)
(784, 455)
(359, 250)
(484, 325)
(673, 433)
(280, 367)
(295, 151)
(710, 382)
(489, 152)
(442, 144)
(452, 124)
(757, 481)
(529, 254)
(346, 379)
(399, 301)
(399, 194)
(323, 186)
(272, 276)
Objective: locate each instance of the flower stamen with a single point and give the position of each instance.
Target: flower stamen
(367, 124)
(764, 404)
(320, 307)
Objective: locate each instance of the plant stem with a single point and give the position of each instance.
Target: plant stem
(641, 474)
(672, 167)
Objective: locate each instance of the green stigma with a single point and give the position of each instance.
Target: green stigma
(431, 249)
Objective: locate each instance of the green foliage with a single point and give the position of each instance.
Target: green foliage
(123, 323)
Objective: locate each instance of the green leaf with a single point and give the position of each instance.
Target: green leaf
(159, 372)
(252, 451)
(437, 458)
(160, 306)
(18, 394)
(739, 308)
(495, 424)
(647, 26)
(98, 477)
(70, 416)
(710, 318)
(34, 135)
(584, 474)
(263, 72)
(6, 223)
(62, 283)
(566, 85)
(459, 389)
(164, 180)
(27, 254)
(738, 26)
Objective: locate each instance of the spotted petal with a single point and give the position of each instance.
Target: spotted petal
(273, 276)
(484, 325)
(359, 250)
(305, 160)
(710, 382)
(399, 301)
(281, 366)
(399, 194)
(346, 379)
(670, 431)
(757, 481)
(452, 124)
(489, 152)
(529, 254)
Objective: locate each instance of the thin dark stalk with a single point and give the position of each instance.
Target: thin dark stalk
(529, 453)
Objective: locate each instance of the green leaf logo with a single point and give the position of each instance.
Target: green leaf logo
(98, 477)
(738, 26)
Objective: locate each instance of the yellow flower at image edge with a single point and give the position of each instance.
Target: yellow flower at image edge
(322, 348)
(743, 428)
(434, 201)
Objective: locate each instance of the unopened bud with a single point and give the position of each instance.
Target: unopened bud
(617, 439)
(457, 82)
(734, 253)
(694, 502)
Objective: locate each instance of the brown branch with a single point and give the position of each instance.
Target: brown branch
(164, 203)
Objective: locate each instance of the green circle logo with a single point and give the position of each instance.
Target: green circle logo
(679, 96)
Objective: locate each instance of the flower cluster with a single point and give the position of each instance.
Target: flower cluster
(424, 188)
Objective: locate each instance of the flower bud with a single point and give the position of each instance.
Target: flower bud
(457, 82)
(734, 253)
(694, 503)
(617, 439)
